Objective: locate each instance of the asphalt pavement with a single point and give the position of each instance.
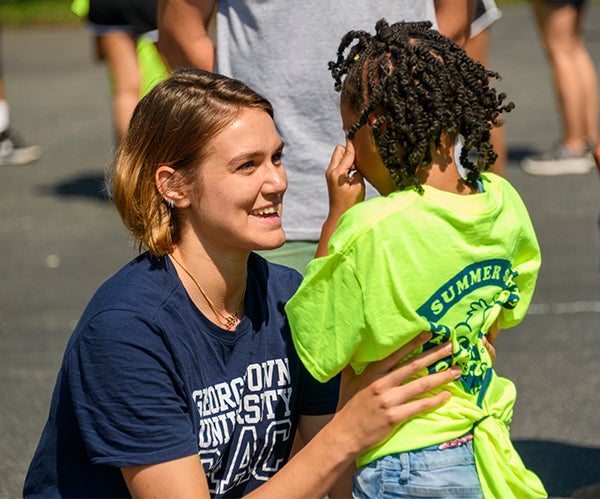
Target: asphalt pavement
(61, 238)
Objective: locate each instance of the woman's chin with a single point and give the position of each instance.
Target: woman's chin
(272, 243)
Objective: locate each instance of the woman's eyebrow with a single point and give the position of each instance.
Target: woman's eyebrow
(245, 155)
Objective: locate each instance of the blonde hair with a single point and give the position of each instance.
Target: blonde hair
(172, 125)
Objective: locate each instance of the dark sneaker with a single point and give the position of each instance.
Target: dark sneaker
(14, 152)
(559, 161)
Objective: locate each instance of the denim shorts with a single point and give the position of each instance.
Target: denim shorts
(428, 472)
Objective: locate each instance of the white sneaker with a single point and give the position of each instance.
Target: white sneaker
(13, 152)
(559, 161)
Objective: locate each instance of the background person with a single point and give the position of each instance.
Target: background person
(124, 35)
(13, 151)
(576, 83)
(281, 49)
(477, 47)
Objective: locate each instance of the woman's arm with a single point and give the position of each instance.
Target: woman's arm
(181, 478)
(377, 402)
(492, 336)
(308, 428)
(372, 406)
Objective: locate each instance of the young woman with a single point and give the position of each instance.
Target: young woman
(181, 378)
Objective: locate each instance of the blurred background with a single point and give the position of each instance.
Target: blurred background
(61, 238)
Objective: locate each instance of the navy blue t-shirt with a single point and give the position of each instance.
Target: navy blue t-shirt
(146, 378)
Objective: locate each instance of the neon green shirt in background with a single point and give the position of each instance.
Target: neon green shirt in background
(439, 261)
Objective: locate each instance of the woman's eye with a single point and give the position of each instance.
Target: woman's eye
(278, 157)
(246, 166)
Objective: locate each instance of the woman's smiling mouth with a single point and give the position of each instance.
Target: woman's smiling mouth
(266, 212)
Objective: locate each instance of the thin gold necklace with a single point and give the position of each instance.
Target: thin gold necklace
(229, 321)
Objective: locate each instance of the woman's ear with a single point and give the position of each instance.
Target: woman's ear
(168, 185)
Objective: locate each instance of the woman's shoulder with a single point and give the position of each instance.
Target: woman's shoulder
(144, 279)
(139, 288)
(127, 304)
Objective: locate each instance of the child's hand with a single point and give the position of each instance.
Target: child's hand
(346, 188)
(345, 184)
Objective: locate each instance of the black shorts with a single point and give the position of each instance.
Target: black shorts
(578, 4)
(133, 16)
(479, 9)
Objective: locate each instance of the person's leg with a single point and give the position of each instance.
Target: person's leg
(478, 49)
(4, 111)
(13, 151)
(589, 80)
(119, 50)
(575, 83)
(572, 68)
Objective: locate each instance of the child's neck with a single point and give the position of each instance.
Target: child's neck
(443, 173)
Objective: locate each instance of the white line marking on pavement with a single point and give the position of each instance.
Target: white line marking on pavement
(575, 307)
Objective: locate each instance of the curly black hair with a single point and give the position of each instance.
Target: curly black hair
(418, 84)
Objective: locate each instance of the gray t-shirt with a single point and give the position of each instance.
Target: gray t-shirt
(281, 48)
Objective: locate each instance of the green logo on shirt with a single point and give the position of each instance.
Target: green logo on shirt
(469, 352)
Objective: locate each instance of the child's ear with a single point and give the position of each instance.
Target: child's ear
(372, 119)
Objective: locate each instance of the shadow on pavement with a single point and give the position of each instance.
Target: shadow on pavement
(565, 470)
(516, 154)
(89, 186)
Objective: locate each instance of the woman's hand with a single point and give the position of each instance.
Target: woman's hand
(346, 188)
(375, 402)
(490, 348)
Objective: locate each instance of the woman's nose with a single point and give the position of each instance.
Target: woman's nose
(276, 178)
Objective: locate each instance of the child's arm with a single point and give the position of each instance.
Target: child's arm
(346, 188)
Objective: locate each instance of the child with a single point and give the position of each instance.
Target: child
(456, 256)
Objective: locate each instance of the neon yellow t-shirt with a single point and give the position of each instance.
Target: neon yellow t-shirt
(449, 263)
